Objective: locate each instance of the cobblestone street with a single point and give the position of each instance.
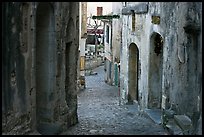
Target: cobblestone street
(99, 112)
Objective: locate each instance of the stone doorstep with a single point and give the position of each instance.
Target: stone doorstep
(183, 121)
(154, 115)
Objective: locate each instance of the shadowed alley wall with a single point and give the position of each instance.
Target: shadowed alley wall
(36, 66)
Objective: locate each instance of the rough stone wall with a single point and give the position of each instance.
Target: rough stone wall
(116, 37)
(108, 52)
(72, 33)
(20, 99)
(123, 61)
(137, 37)
(16, 105)
(117, 29)
(182, 72)
(180, 28)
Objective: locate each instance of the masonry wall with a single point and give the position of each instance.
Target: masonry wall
(137, 37)
(180, 30)
(30, 102)
(116, 39)
(182, 72)
(108, 53)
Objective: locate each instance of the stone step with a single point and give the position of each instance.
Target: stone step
(154, 115)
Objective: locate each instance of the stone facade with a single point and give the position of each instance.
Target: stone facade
(40, 53)
(161, 47)
(116, 41)
(108, 54)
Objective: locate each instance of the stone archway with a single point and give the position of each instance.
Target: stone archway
(155, 71)
(45, 66)
(133, 73)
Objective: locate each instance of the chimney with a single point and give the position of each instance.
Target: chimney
(99, 11)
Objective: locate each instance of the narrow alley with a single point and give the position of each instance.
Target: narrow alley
(102, 68)
(99, 112)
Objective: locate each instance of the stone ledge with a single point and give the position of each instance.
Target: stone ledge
(154, 115)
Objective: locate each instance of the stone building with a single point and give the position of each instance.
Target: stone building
(112, 44)
(116, 40)
(39, 68)
(108, 51)
(161, 59)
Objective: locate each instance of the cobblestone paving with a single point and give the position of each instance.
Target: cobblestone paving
(99, 112)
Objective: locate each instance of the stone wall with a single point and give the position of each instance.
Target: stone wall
(40, 53)
(178, 24)
(182, 72)
(116, 38)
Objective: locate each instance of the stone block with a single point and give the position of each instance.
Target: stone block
(183, 121)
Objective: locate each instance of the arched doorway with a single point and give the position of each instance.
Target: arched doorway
(155, 71)
(133, 73)
(45, 65)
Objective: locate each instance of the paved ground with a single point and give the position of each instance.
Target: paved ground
(99, 112)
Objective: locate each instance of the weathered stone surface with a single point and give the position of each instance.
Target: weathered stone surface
(169, 113)
(138, 9)
(49, 128)
(183, 121)
(173, 128)
(176, 71)
(33, 91)
(199, 128)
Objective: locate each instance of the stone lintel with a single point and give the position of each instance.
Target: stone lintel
(138, 9)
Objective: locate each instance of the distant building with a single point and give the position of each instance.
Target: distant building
(108, 51)
(94, 49)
